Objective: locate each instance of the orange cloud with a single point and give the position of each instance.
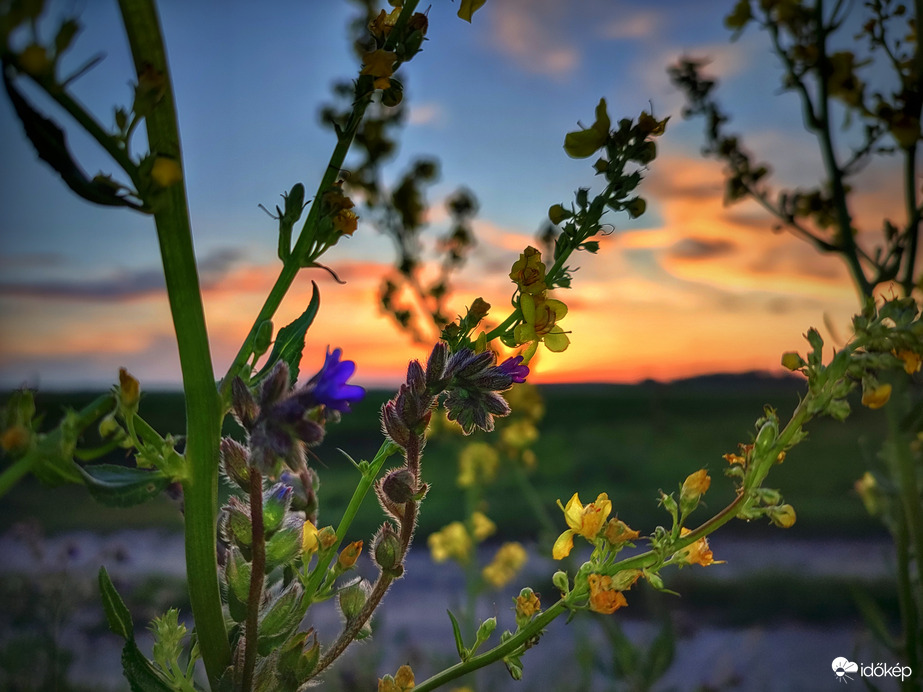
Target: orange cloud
(525, 30)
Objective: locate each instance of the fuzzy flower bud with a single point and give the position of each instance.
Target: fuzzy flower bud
(234, 462)
(352, 598)
(399, 486)
(386, 548)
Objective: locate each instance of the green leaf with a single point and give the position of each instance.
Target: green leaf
(290, 341)
(586, 142)
(459, 644)
(468, 7)
(121, 486)
(117, 614)
(140, 672)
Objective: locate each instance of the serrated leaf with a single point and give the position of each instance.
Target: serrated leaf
(117, 614)
(290, 341)
(122, 486)
(140, 672)
(459, 644)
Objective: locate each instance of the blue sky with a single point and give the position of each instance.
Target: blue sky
(80, 292)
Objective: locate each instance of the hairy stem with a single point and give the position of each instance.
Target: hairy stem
(257, 573)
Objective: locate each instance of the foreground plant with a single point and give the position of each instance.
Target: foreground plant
(278, 556)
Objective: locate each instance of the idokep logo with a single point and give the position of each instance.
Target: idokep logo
(842, 667)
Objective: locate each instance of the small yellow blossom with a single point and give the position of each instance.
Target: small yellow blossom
(166, 171)
(791, 360)
(695, 485)
(869, 493)
(540, 322)
(345, 222)
(528, 272)
(380, 65)
(15, 438)
(697, 553)
(877, 396)
(34, 60)
(519, 434)
(528, 604)
(482, 526)
(309, 540)
(403, 681)
(603, 598)
(618, 532)
(451, 541)
(384, 22)
(129, 389)
(912, 360)
(509, 559)
(784, 516)
(348, 556)
(477, 464)
(584, 521)
(526, 400)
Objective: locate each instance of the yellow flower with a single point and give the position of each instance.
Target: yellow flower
(877, 396)
(129, 389)
(697, 553)
(477, 464)
(784, 516)
(912, 360)
(603, 597)
(519, 434)
(584, 521)
(540, 322)
(869, 493)
(529, 272)
(403, 681)
(380, 65)
(345, 222)
(618, 532)
(309, 540)
(166, 171)
(528, 604)
(506, 563)
(451, 541)
(483, 526)
(348, 556)
(695, 485)
(34, 60)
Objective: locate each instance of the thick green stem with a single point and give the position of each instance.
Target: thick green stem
(203, 421)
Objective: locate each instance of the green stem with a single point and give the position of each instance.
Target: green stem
(203, 420)
(355, 502)
(906, 601)
(88, 415)
(541, 621)
(305, 239)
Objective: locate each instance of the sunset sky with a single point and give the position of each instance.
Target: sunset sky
(691, 287)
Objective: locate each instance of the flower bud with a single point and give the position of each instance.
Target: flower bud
(560, 581)
(618, 533)
(166, 171)
(352, 599)
(435, 366)
(276, 502)
(528, 605)
(280, 616)
(237, 574)
(296, 662)
(327, 537)
(234, 462)
(399, 485)
(784, 516)
(237, 522)
(394, 427)
(791, 360)
(263, 339)
(285, 544)
(129, 390)
(243, 404)
(695, 485)
(348, 556)
(386, 548)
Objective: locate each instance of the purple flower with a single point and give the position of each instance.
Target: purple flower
(514, 368)
(329, 384)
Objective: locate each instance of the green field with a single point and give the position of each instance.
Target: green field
(629, 441)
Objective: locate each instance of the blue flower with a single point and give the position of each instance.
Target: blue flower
(329, 384)
(514, 368)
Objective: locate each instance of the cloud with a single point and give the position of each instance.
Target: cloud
(529, 32)
(701, 248)
(432, 114)
(642, 24)
(120, 286)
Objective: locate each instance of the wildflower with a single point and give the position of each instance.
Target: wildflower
(345, 222)
(698, 553)
(519, 434)
(528, 605)
(482, 526)
(528, 272)
(540, 317)
(477, 464)
(912, 360)
(518, 372)
(783, 516)
(603, 597)
(348, 556)
(508, 560)
(380, 65)
(166, 171)
(869, 493)
(791, 360)
(309, 539)
(877, 396)
(403, 681)
(452, 541)
(584, 521)
(329, 384)
(129, 390)
(618, 532)
(695, 485)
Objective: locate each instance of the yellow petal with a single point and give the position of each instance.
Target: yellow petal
(563, 545)
(556, 340)
(573, 513)
(527, 305)
(557, 307)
